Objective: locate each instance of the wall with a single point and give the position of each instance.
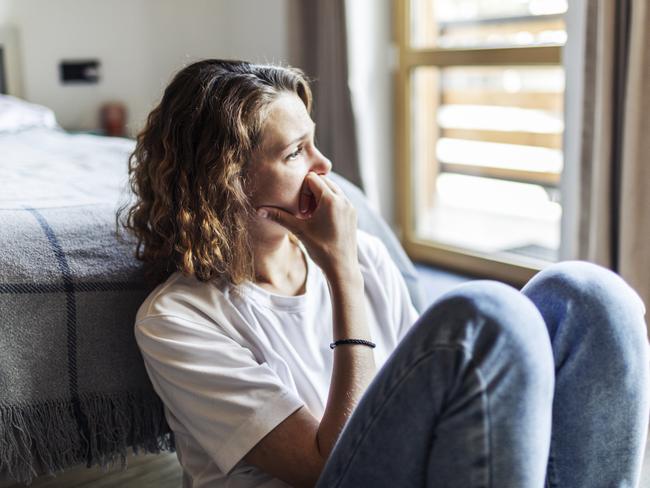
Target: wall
(140, 44)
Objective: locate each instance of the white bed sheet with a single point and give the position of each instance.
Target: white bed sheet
(48, 167)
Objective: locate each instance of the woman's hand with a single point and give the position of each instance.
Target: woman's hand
(327, 227)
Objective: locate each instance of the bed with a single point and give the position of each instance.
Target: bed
(73, 388)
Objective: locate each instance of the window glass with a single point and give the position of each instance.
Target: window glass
(487, 158)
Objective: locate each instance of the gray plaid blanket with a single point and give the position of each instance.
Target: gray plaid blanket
(73, 388)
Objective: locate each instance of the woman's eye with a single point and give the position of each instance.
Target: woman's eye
(294, 154)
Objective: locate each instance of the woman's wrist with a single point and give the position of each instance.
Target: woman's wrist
(345, 276)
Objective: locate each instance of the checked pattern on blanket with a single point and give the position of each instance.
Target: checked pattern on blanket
(73, 389)
(73, 386)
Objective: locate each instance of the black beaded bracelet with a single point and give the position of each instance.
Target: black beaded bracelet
(352, 341)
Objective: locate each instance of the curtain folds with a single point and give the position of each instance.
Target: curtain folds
(614, 224)
(324, 59)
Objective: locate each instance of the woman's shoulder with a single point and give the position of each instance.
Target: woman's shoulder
(187, 299)
(370, 248)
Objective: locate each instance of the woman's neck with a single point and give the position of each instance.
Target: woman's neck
(280, 266)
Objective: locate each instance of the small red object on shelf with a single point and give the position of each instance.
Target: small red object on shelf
(113, 119)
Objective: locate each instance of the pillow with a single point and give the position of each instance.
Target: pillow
(17, 115)
(370, 221)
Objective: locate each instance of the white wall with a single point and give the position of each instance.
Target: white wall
(139, 43)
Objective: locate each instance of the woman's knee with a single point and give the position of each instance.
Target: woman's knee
(487, 314)
(589, 290)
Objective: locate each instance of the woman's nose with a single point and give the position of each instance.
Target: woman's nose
(321, 164)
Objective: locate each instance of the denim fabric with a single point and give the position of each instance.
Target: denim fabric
(493, 387)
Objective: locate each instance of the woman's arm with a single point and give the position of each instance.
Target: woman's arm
(297, 449)
(354, 364)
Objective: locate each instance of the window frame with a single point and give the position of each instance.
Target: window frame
(407, 58)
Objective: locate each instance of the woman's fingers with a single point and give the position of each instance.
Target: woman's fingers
(315, 185)
(333, 186)
(282, 217)
(312, 191)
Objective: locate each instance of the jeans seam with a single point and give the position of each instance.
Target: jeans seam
(408, 371)
(489, 419)
(551, 478)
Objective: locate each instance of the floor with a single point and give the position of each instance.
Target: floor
(436, 281)
(143, 471)
(163, 471)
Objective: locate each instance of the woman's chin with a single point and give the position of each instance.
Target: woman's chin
(269, 233)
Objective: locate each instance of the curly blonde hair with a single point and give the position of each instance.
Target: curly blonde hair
(189, 169)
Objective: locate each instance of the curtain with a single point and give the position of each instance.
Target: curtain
(324, 59)
(614, 223)
(370, 66)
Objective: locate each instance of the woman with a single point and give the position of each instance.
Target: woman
(264, 279)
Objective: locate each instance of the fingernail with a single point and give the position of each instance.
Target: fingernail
(262, 213)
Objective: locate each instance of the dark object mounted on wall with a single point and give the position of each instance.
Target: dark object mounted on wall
(79, 71)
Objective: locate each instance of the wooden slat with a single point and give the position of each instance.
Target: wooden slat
(552, 141)
(484, 31)
(537, 55)
(549, 19)
(553, 102)
(426, 89)
(536, 177)
(402, 107)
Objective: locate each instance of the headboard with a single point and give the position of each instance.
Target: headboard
(10, 67)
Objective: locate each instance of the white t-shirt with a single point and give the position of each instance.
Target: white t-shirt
(231, 363)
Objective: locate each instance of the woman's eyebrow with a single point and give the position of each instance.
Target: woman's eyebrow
(300, 138)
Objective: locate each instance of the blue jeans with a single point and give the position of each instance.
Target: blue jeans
(493, 387)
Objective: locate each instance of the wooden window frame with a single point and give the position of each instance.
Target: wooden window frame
(408, 58)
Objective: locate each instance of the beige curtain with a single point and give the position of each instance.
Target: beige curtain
(614, 225)
(324, 58)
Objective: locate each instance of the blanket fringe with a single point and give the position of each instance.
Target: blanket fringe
(46, 438)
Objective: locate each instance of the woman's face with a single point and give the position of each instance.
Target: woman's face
(287, 153)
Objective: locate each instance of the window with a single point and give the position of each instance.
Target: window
(480, 121)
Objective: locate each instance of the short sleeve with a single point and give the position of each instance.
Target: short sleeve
(403, 311)
(214, 386)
